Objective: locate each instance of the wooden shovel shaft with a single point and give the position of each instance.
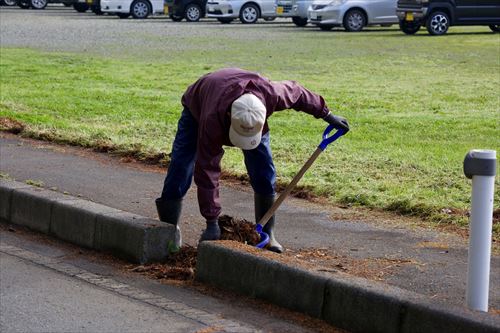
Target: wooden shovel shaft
(289, 188)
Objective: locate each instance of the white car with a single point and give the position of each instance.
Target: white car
(249, 11)
(139, 9)
(353, 15)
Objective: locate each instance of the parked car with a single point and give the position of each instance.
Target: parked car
(249, 11)
(296, 9)
(39, 4)
(191, 10)
(139, 9)
(438, 15)
(353, 15)
(8, 2)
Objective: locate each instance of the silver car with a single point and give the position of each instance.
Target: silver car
(296, 9)
(353, 15)
(247, 10)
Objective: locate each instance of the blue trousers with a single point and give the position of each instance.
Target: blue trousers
(258, 161)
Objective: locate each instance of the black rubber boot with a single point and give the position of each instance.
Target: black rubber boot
(212, 232)
(262, 205)
(169, 211)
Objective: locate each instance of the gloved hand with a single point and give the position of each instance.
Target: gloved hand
(212, 232)
(337, 121)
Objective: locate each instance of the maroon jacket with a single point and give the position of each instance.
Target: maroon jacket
(209, 99)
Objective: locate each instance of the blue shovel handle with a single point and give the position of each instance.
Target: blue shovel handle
(327, 140)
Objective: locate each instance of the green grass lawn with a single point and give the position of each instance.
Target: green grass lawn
(416, 105)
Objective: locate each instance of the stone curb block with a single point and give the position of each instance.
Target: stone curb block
(85, 223)
(75, 221)
(6, 189)
(32, 207)
(348, 302)
(133, 237)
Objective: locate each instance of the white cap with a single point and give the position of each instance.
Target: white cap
(248, 115)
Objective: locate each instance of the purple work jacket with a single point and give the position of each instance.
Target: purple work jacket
(209, 99)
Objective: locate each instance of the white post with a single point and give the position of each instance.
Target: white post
(480, 165)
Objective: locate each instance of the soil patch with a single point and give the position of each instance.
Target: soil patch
(11, 125)
(240, 234)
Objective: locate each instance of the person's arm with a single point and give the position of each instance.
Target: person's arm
(291, 95)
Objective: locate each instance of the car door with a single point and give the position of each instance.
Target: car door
(381, 11)
(487, 11)
(267, 8)
(465, 10)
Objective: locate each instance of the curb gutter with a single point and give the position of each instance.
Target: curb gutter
(348, 302)
(85, 223)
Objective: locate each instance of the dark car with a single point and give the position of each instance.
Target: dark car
(438, 15)
(191, 10)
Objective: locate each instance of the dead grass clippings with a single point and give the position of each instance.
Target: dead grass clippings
(11, 125)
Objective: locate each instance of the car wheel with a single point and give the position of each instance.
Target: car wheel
(299, 21)
(140, 9)
(96, 9)
(325, 27)
(192, 12)
(24, 4)
(408, 27)
(438, 23)
(249, 14)
(38, 4)
(81, 7)
(224, 20)
(176, 18)
(123, 15)
(495, 27)
(354, 20)
(9, 2)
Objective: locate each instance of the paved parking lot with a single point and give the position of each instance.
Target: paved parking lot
(58, 28)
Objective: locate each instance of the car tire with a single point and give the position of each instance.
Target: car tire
(81, 7)
(495, 27)
(123, 15)
(176, 18)
(140, 9)
(299, 21)
(9, 2)
(192, 13)
(24, 4)
(249, 13)
(38, 4)
(225, 20)
(325, 27)
(354, 20)
(438, 23)
(409, 28)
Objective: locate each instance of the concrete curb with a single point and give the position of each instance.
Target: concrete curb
(352, 303)
(129, 236)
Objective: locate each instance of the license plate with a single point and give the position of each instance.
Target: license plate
(211, 9)
(314, 16)
(279, 10)
(165, 10)
(409, 16)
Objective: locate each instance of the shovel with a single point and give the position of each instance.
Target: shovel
(264, 237)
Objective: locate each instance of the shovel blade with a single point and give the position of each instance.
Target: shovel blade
(264, 237)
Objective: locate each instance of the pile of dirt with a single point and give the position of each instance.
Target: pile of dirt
(182, 265)
(241, 231)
